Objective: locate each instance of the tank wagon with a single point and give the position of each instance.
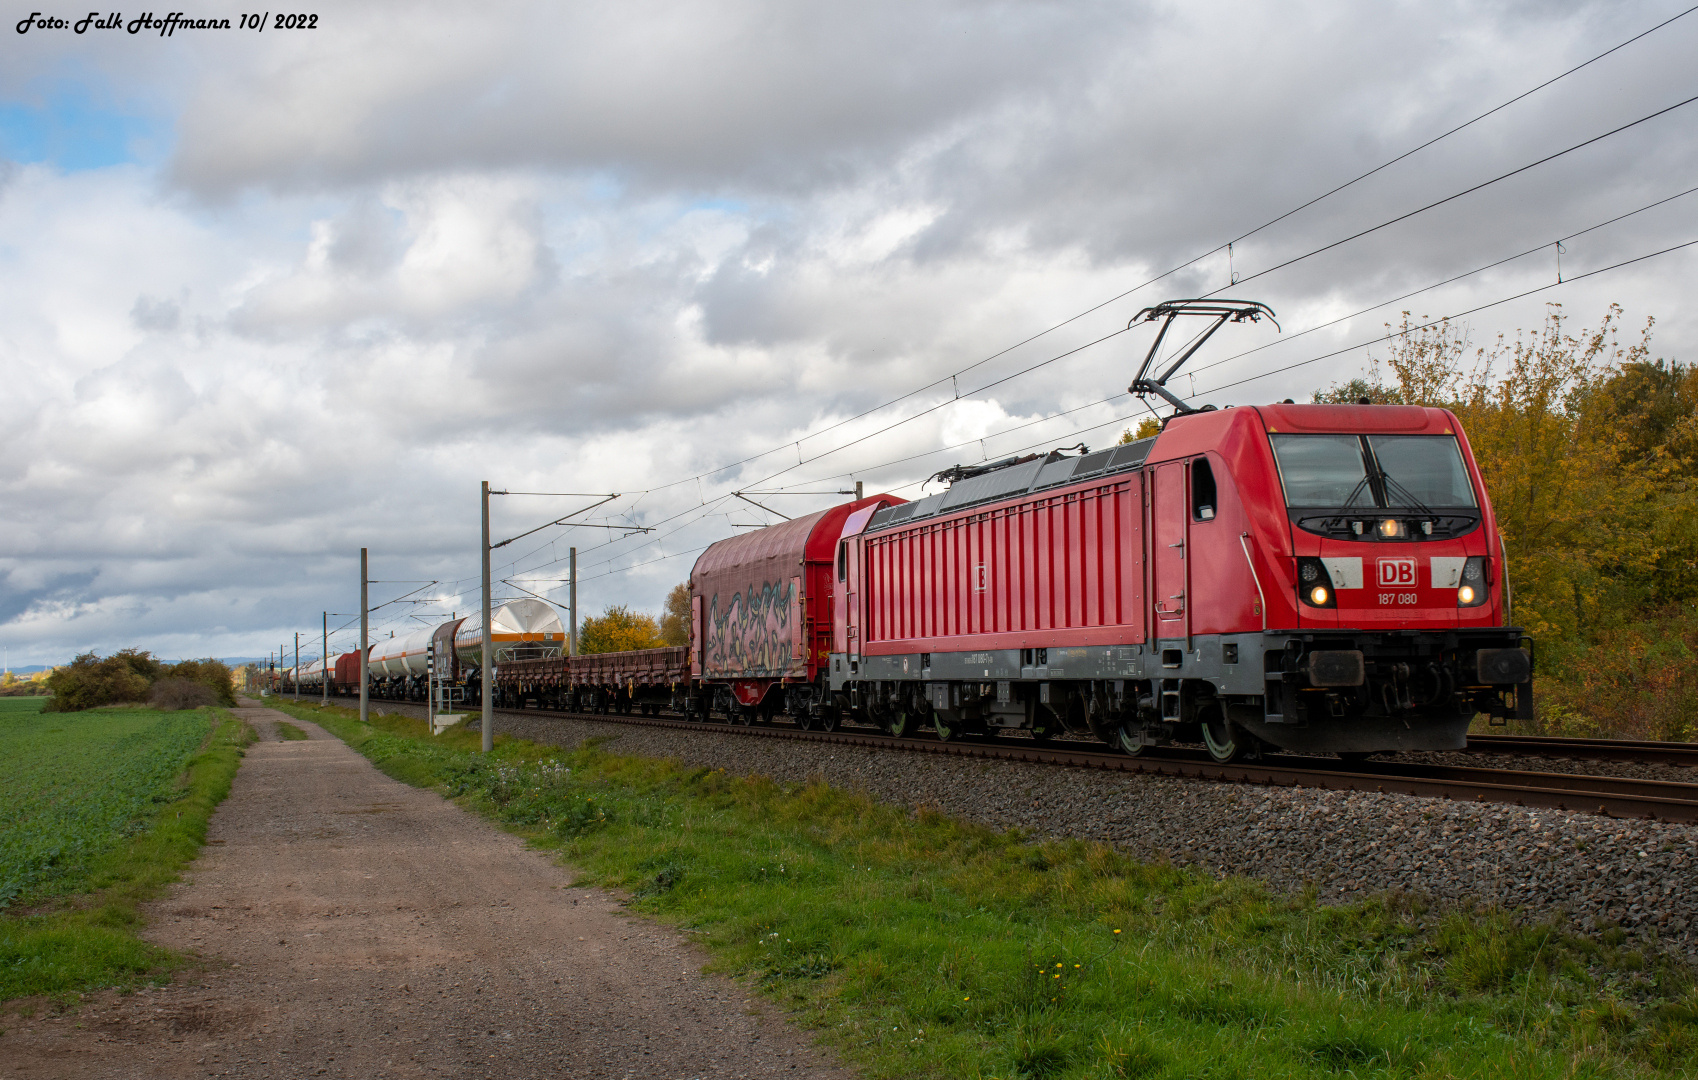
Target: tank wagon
(398, 666)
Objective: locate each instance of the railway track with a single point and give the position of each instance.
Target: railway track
(1612, 796)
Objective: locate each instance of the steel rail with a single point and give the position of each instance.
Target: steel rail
(1643, 751)
(1610, 796)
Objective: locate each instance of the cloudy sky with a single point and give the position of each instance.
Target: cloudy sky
(267, 297)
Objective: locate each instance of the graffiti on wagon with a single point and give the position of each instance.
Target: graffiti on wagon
(750, 635)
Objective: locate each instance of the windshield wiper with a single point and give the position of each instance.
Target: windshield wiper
(1404, 493)
(1350, 499)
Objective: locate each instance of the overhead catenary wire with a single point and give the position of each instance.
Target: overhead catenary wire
(1439, 284)
(1294, 260)
(1465, 124)
(1455, 315)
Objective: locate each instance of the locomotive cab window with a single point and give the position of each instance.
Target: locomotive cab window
(842, 560)
(1202, 490)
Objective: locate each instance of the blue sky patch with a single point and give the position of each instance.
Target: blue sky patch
(69, 128)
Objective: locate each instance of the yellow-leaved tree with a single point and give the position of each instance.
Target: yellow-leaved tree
(1148, 427)
(618, 629)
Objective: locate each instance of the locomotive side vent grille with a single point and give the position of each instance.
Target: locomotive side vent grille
(1092, 464)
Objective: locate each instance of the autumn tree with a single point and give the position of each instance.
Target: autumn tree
(618, 629)
(675, 620)
(1148, 427)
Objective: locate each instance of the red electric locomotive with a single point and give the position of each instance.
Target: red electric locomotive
(1310, 577)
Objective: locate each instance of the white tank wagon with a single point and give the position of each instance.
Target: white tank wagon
(398, 666)
(519, 630)
(313, 674)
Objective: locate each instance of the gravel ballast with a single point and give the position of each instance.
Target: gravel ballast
(1595, 871)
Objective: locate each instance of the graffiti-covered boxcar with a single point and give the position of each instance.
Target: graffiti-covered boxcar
(761, 612)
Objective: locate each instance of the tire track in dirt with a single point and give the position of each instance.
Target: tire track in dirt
(354, 926)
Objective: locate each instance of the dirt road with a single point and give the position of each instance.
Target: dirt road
(357, 927)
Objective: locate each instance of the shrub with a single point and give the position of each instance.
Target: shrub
(89, 681)
(174, 694)
(213, 674)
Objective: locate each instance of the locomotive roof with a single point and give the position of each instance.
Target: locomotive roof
(1053, 470)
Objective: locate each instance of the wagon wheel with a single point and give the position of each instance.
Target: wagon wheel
(829, 718)
(1130, 738)
(1224, 739)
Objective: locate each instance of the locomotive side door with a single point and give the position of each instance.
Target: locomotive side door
(852, 600)
(1169, 536)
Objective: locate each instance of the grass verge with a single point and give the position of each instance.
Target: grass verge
(289, 732)
(925, 946)
(87, 940)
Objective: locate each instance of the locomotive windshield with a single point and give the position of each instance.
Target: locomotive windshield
(1396, 472)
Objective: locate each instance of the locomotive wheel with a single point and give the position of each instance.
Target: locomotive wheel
(945, 730)
(901, 720)
(1223, 739)
(829, 719)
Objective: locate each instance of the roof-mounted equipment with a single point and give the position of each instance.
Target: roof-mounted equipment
(1222, 311)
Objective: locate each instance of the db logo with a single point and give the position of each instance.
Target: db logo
(1400, 572)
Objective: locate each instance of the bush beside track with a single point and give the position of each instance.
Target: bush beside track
(923, 945)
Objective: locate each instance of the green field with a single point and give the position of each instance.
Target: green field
(78, 784)
(924, 946)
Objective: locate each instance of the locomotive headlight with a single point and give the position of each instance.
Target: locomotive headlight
(1390, 528)
(1314, 583)
(1473, 592)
